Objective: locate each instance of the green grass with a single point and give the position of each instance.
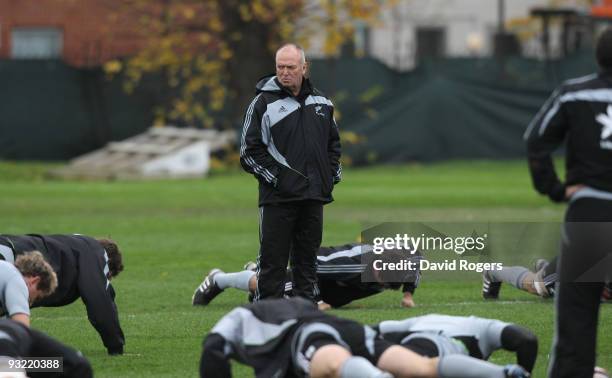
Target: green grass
(172, 232)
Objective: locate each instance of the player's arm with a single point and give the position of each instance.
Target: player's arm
(21, 318)
(254, 155)
(522, 341)
(214, 362)
(99, 298)
(412, 279)
(334, 150)
(544, 134)
(16, 298)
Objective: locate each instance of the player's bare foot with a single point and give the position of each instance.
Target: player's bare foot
(323, 306)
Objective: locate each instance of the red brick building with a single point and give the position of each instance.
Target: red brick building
(81, 32)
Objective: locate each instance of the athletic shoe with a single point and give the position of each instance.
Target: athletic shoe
(490, 289)
(515, 371)
(208, 290)
(540, 264)
(250, 266)
(544, 290)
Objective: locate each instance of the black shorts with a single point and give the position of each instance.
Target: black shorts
(359, 340)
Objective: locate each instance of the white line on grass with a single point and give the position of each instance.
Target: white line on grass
(480, 302)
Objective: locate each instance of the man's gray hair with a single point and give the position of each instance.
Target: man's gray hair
(295, 46)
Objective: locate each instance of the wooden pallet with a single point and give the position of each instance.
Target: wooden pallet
(161, 152)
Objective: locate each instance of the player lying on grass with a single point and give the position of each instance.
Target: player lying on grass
(540, 282)
(20, 342)
(84, 267)
(291, 337)
(30, 279)
(440, 335)
(339, 274)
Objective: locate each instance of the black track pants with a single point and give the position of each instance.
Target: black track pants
(585, 261)
(289, 232)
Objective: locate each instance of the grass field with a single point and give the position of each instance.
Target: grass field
(172, 233)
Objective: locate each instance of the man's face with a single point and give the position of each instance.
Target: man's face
(289, 68)
(32, 284)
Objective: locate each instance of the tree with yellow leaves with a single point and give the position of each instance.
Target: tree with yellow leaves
(210, 53)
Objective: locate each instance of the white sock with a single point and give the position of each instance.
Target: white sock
(239, 280)
(459, 366)
(359, 367)
(512, 275)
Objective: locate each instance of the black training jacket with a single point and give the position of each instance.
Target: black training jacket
(80, 264)
(579, 111)
(349, 263)
(263, 335)
(291, 144)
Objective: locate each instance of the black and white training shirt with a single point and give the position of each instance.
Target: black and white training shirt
(81, 265)
(579, 112)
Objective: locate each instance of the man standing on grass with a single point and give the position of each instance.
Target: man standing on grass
(580, 114)
(290, 143)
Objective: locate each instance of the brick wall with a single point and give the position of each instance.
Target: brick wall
(94, 31)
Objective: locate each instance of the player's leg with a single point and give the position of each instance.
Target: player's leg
(217, 281)
(333, 360)
(450, 359)
(252, 284)
(429, 344)
(583, 266)
(519, 340)
(513, 275)
(576, 322)
(577, 309)
(402, 362)
(244, 280)
(320, 355)
(306, 243)
(546, 278)
(542, 282)
(277, 225)
(327, 360)
(459, 366)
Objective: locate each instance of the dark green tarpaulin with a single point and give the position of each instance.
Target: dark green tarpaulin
(459, 108)
(453, 108)
(49, 111)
